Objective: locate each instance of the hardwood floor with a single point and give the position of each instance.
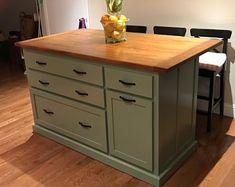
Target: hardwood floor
(28, 159)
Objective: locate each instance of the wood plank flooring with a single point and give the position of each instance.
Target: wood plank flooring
(28, 159)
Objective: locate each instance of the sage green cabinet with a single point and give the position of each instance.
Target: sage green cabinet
(141, 122)
(130, 128)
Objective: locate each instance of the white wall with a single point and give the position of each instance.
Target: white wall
(191, 13)
(62, 15)
(9, 13)
(96, 9)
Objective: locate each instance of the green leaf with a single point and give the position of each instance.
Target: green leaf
(114, 5)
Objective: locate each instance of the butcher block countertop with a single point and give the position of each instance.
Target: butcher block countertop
(152, 52)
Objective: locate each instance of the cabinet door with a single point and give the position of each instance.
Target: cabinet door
(130, 128)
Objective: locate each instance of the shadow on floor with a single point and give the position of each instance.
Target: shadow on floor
(211, 147)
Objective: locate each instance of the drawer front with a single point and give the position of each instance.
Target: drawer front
(130, 128)
(85, 125)
(65, 66)
(135, 83)
(65, 87)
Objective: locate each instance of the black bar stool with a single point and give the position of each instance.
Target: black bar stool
(136, 28)
(177, 31)
(212, 64)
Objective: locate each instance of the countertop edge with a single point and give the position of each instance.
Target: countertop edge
(213, 42)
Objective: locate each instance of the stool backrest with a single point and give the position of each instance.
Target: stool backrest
(177, 31)
(136, 28)
(214, 33)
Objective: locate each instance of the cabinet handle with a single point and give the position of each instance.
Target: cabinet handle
(79, 72)
(81, 93)
(43, 82)
(85, 126)
(41, 63)
(127, 83)
(48, 112)
(127, 100)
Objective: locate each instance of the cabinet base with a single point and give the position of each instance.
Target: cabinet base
(116, 163)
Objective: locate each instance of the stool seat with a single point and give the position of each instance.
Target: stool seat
(212, 61)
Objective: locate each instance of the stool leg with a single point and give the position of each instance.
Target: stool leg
(211, 101)
(222, 91)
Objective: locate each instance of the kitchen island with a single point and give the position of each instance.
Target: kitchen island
(131, 105)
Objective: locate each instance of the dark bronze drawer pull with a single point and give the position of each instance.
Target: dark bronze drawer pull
(127, 100)
(48, 112)
(79, 72)
(81, 93)
(127, 83)
(85, 126)
(41, 63)
(43, 82)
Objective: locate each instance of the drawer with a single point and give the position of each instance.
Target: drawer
(65, 66)
(82, 123)
(66, 87)
(131, 82)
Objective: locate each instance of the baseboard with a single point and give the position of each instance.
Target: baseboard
(170, 170)
(100, 156)
(123, 166)
(229, 109)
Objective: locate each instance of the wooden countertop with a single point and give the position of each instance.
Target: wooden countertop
(145, 51)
